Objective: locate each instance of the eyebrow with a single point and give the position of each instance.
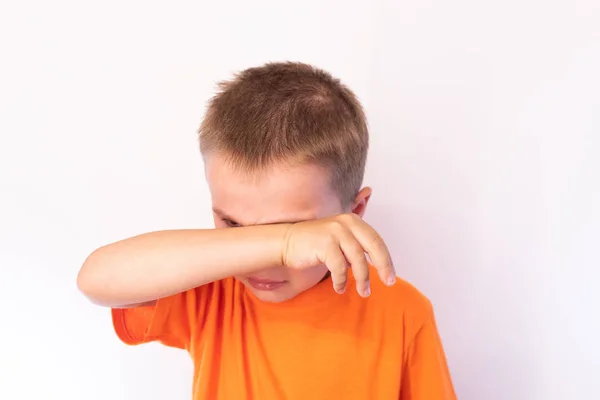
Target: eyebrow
(224, 215)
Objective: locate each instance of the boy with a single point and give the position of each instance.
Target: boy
(278, 302)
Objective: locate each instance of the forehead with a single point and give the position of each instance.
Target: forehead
(279, 193)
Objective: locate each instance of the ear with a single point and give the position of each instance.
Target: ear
(360, 202)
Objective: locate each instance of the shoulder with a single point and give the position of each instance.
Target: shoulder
(201, 299)
(395, 314)
(405, 293)
(402, 300)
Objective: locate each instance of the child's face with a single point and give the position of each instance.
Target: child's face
(280, 194)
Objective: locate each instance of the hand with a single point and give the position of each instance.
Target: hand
(339, 242)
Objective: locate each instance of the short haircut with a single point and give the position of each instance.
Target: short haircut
(289, 112)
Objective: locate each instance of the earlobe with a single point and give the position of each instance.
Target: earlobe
(360, 202)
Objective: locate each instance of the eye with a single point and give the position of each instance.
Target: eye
(230, 223)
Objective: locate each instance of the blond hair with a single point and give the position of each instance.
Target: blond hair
(282, 112)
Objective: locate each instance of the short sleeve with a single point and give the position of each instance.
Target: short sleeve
(426, 375)
(169, 321)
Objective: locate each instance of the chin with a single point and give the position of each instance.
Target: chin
(277, 287)
(272, 296)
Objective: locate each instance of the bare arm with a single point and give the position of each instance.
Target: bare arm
(142, 269)
(139, 270)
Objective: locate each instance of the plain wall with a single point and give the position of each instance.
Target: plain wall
(484, 162)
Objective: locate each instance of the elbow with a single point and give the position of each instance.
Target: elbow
(90, 281)
(84, 282)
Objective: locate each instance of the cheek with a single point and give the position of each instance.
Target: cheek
(219, 223)
(305, 279)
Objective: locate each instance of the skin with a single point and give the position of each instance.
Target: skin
(282, 193)
(289, 225)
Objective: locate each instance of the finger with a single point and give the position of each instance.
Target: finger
(355, 255)
(337, 265)
(379, 254)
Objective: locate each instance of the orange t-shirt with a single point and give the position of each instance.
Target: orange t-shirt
(318, 345)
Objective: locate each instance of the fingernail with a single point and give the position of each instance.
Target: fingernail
(391, 280)
(341, 290)
(367, 292)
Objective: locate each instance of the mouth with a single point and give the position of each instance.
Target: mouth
(265, 284)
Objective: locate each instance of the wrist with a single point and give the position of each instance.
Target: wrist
(264, 245)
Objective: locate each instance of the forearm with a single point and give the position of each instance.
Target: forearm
(159, 264)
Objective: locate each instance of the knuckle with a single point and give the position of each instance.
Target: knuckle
(331, 240)
(378, 241)
(348, 217)
(362, 274)
(356, 253)
(338, 271)
(339, 274)
(336, 225)
(335, 231)
(341, 280)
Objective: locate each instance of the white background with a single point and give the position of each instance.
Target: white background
(485, 121)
